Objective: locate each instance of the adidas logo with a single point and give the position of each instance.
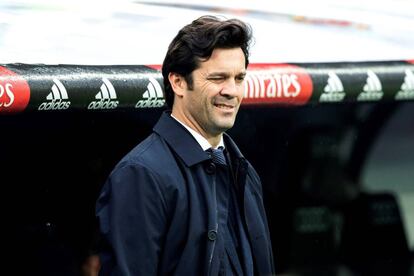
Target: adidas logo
(407, 88)
(153, 96)
(105, 98)
(57, 99)
(334, 90)
(372, 90)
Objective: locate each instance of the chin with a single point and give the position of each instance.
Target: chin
(222, 123)
(225, 126)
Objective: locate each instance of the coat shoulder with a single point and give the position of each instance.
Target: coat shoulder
(151, 152)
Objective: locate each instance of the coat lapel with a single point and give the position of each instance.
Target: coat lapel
(180, 140)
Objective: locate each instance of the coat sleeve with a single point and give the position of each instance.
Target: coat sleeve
(132, 218)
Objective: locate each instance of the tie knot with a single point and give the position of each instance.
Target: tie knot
(217, 155)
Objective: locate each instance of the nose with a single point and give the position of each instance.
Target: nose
(232, 88)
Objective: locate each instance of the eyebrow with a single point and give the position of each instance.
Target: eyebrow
(224, 74)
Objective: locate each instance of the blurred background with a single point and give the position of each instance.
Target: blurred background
(137, 32)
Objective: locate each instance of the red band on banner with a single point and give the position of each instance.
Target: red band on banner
(277, 84)
(14, 92)
(155, 67)
(410, 61)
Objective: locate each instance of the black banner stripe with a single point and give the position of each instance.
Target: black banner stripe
(127, 87)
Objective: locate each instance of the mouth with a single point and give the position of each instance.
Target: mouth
(226, 107)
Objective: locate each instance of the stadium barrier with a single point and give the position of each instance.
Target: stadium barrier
(39, 87)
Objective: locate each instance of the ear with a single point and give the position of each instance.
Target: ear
(178, 83)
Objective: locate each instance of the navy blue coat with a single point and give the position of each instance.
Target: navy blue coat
(157, 210)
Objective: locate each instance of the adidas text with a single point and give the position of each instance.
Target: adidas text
(55, 105)
(405, 95)
(103, 104)
(332, 97)
(370, 96)
(150, 103)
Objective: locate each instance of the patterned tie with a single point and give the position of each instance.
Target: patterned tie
(217, 155)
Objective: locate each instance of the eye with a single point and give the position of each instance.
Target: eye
(216, 79)
(240, 78)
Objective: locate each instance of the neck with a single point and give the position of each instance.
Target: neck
(213, 140)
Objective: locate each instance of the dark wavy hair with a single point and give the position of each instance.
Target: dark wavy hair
(195, 42)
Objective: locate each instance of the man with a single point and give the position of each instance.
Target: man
(172, 208)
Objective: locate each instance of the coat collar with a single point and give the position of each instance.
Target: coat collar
(184, 144)
(232, 147)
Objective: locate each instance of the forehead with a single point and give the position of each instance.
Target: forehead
(226, 60)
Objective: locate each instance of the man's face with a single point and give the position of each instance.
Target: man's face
(218, 87)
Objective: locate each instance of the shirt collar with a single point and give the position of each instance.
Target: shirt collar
(184, 144)
(199, 138)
